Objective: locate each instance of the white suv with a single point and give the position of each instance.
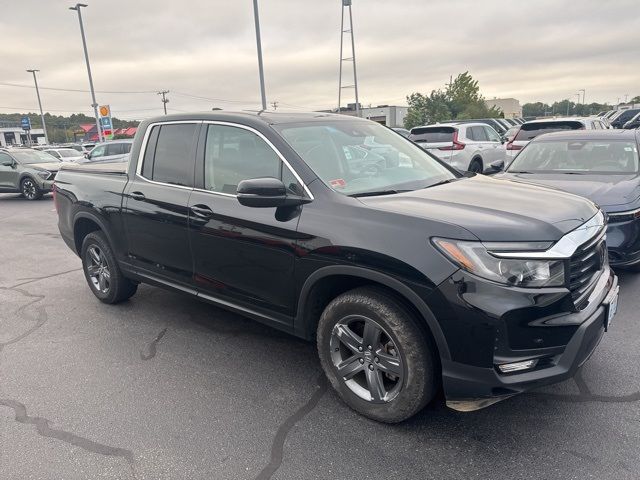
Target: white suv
(475, 147)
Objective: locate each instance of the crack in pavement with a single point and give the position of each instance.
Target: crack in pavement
(277, 447)
(43, 428)
(586, 396)
(151, 348)
(35, 279)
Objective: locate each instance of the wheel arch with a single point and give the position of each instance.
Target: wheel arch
(326, 283)
(83, 224)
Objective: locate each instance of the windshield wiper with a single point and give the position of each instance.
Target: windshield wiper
(518, 171)
(378, 192)
(442, 182)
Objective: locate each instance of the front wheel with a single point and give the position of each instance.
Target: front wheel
(376, 356)
(101, 270)
(29, 189)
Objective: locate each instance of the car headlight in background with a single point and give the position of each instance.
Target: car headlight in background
(44, 174)
(617, 217)
(475, 258)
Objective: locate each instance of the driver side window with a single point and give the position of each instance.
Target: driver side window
(98, 152)
(5, 158)
(233, 154)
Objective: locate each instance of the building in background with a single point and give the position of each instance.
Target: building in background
(510, 106)
(17, 136)
(389, 115)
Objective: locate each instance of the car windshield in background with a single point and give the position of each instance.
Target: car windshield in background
(68, 153)
(26, 157)
(357, 158)
(577, 156)
(432, 134)
(532, 130)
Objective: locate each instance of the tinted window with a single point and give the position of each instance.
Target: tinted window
(149, 152)
(626, 115)
(479, 135)
(126, 147)
(432, 134)
(529, 131)
(5, 158)
(585, 156)
(115, 149)
(492, 135)
(234, 154)
(173, 159)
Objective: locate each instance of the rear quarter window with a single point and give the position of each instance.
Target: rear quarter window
(532, 130)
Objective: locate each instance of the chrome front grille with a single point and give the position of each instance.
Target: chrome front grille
(585, 266)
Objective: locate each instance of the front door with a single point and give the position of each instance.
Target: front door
(242, 255)
(156, 204)
(8, 174)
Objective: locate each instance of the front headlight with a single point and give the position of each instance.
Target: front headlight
(44, 174)
(475, 258)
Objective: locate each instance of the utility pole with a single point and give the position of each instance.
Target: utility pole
(44, 126)
(352, 59)
(165, 100)
(256, 17)
(86, 58)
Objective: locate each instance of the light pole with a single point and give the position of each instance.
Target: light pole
(578, 94)
(583, 94)
(86, 57)
(44, 126)
(259, 45)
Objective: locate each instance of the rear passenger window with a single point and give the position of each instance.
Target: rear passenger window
(479, 135)
(169, 157)
(234, 154)
(114, 149)
(127, 147)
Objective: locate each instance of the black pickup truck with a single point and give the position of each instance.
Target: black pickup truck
(409, 275)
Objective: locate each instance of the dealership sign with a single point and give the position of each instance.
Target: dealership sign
(25, 123)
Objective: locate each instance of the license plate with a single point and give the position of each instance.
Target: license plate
(612, 309)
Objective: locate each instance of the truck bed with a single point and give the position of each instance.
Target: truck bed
(114, 168)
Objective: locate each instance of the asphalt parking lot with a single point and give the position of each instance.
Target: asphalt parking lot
(162, 387)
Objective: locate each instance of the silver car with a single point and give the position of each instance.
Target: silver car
(475, 147)
(65, 154)
(113, 151)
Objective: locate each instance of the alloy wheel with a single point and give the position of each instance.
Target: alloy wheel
(98, 269)
(366, 359)
(29, 189)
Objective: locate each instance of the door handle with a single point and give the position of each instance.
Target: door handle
(138, 196)
(202, 211)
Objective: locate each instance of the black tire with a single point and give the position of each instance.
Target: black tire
(29, 189)
(412, 352)
(101, 270)
(476, 166)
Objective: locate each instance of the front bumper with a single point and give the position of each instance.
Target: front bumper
(504, 325)
(623, 242)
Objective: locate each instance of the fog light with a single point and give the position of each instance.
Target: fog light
(517, 366)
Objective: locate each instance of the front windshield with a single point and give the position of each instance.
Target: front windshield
(357, 158)
(577, 156)
(27, 157)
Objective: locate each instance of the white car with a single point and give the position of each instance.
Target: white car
(530, 130)
(475, 147)
(65, 154)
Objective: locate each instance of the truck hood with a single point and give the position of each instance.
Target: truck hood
(605, 190)
(493, 210)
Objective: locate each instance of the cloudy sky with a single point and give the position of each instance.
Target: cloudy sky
(535, 50)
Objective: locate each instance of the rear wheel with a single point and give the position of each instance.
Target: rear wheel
(376, 356)
(101, 270)
(29, 189)
(476, 166)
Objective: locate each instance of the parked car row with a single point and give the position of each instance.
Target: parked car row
(410, 276)
(625, 118)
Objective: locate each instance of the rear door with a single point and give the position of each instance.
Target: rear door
(495, 151)
(156, 203)
(242, 255)
(434, 139)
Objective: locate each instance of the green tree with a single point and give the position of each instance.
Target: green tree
(461, 99)
(636, 99)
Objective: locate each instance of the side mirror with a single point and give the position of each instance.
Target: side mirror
(266, 192)
(87, 155)
(7, 163)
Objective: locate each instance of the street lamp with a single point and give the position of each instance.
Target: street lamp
(578, 94)
(259, 45)
(86, 57)
(44, 126)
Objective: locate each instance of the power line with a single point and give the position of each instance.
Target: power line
(75, 90)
